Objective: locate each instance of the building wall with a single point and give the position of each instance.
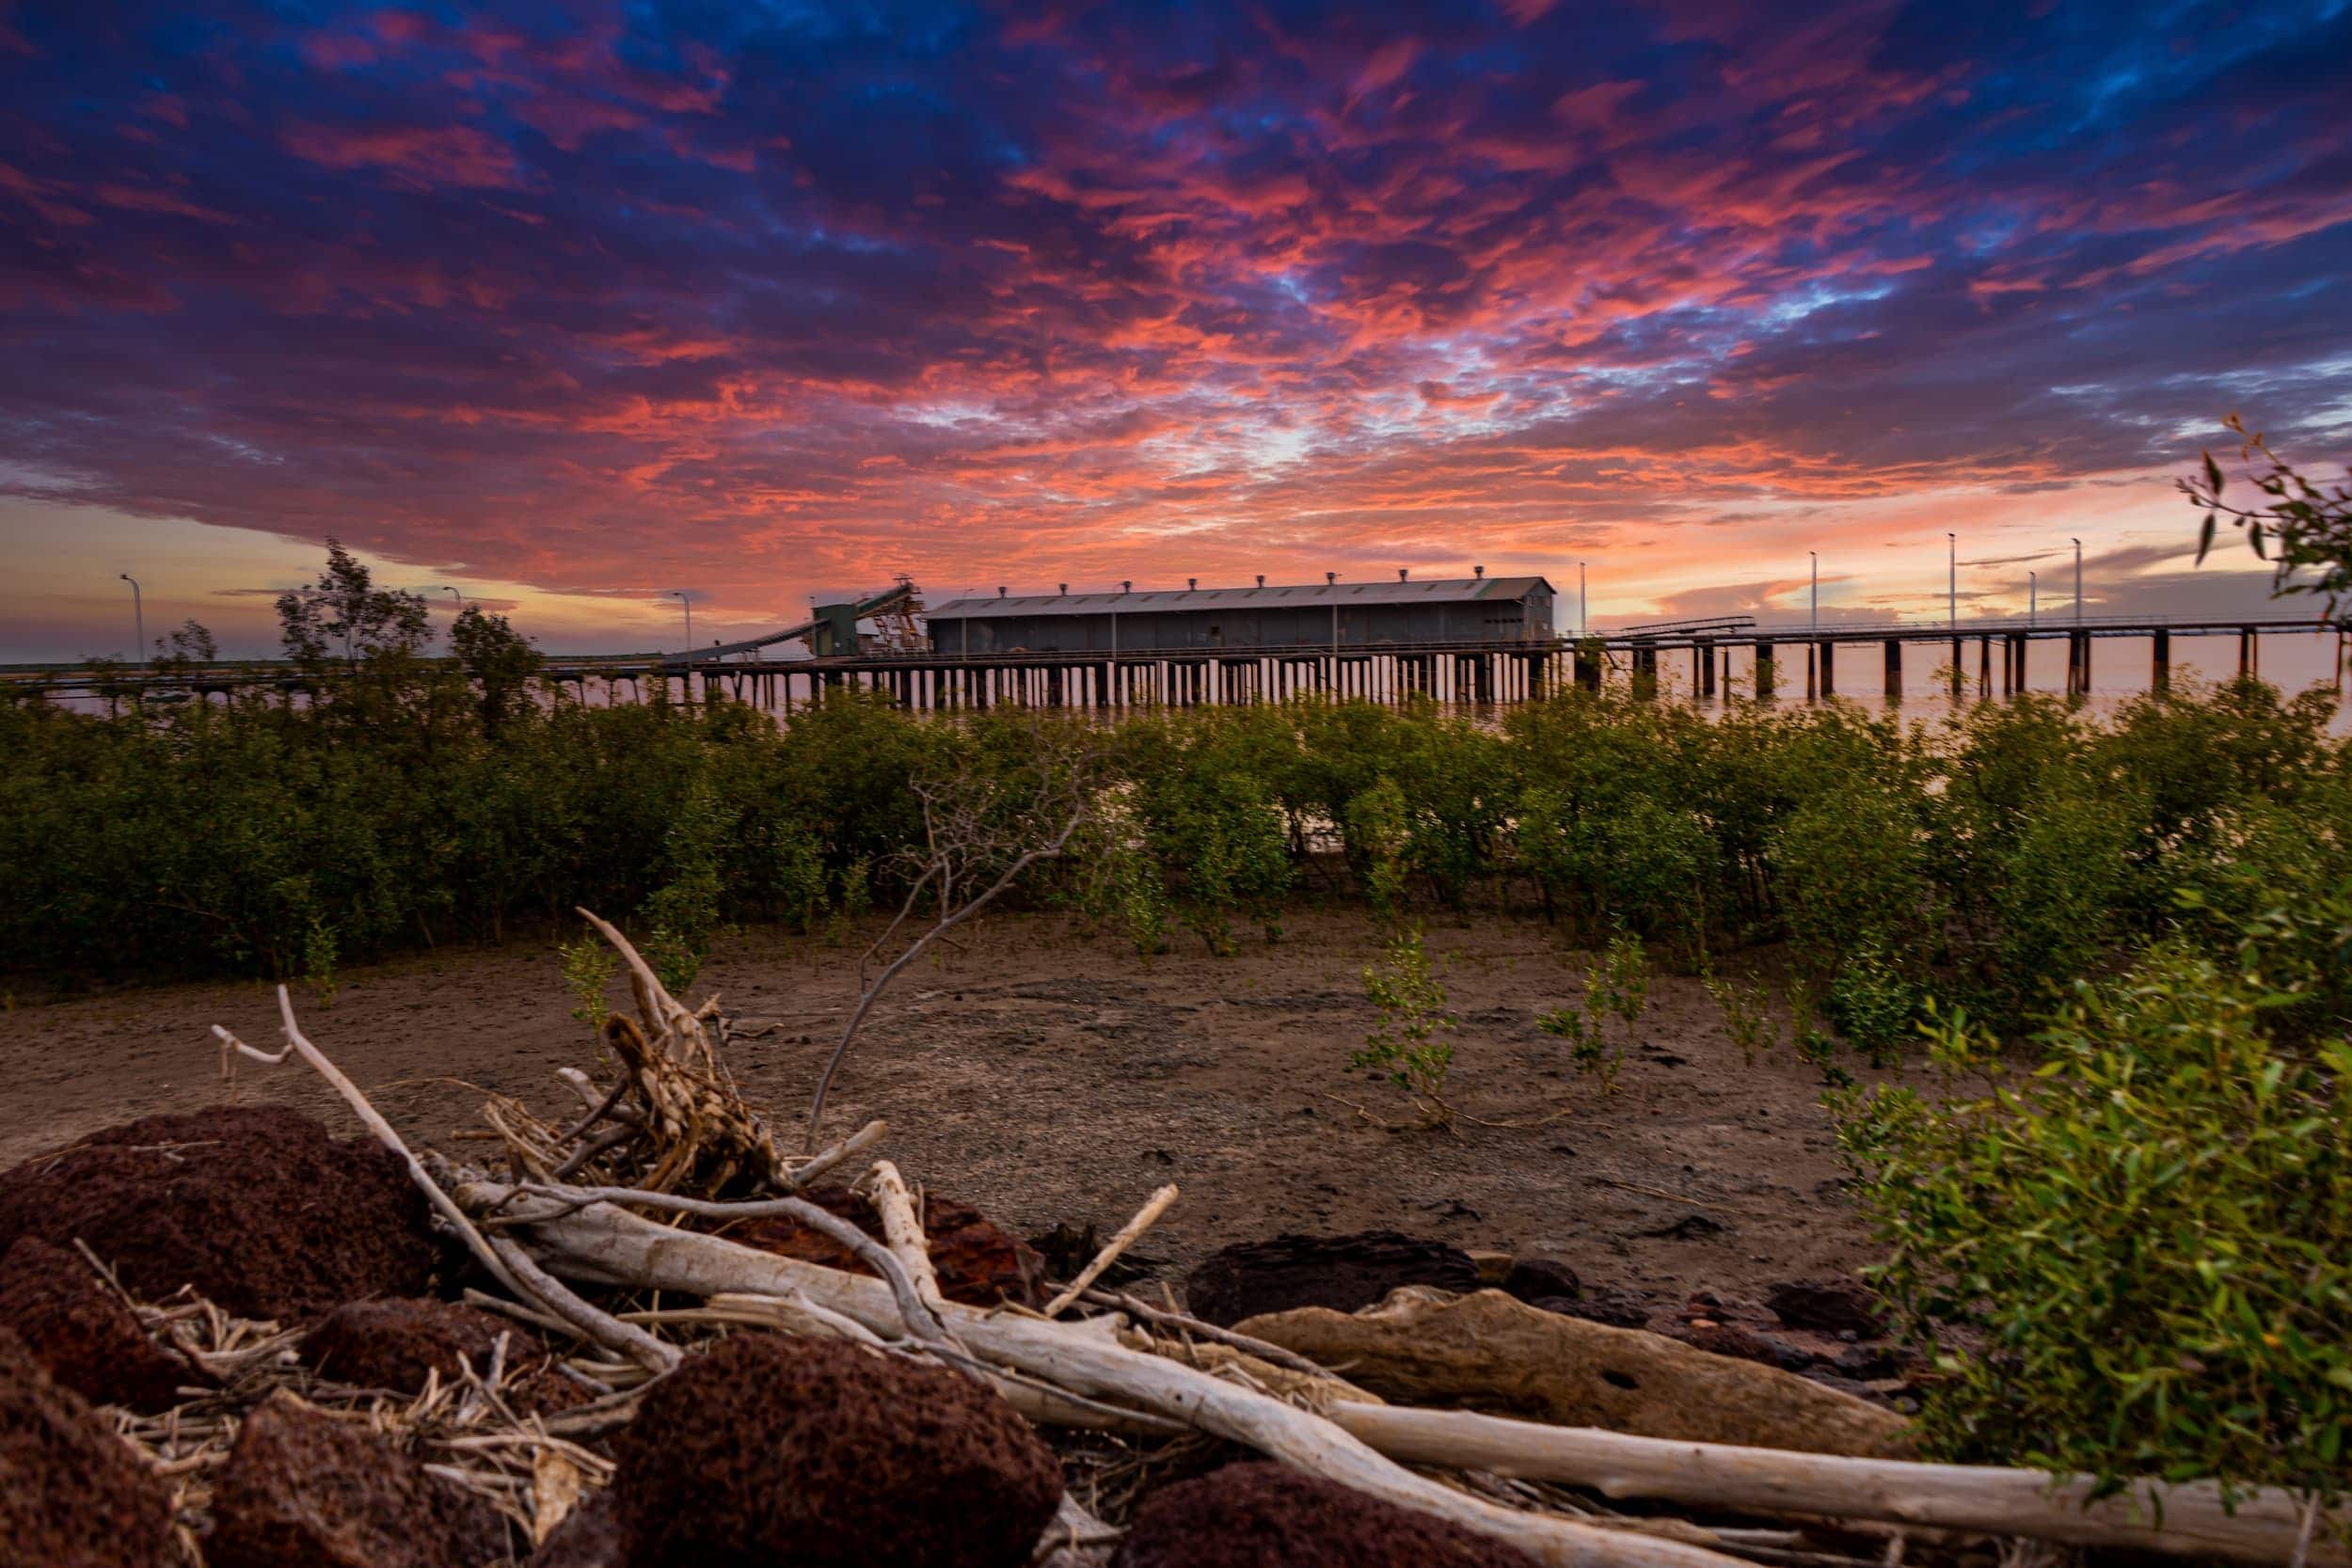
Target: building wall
(1305, 627)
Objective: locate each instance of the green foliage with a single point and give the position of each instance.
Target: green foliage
(345, 615)
(2300, 527)
(2150, 1231)
(498, 661)
(1622, 979)
(1615, 986)
(1376, 841)
(1122, 886)
(1408, 1046)
(1588, 1044)
(589, 965)
(1746, 1009)
(318, 961)
(185, 646)
(1873, 1006)
(685, 911)
(1220, 849)
(1991, 860)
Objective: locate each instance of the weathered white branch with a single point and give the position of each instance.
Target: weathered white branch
(668, 1019)
(382, 1132)
(1153, 1208)
(2193, 1521)
(610, 1244)
(818, 1164)
(902, 1229)
(915, 1314)
(590, 1322)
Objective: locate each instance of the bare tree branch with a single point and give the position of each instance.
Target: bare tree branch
(973, 826)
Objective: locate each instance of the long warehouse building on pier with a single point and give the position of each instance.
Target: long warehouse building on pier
(1327, 614)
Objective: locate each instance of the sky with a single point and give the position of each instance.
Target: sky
(570, 308)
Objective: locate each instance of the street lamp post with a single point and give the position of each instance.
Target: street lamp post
(1583, 605)
(2078, 582)
(2033, 597)
(1951, 586)
(138, 617)
(679, 595)
(1814, 623)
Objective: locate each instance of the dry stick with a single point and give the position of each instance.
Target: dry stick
(903, 1230)
(1074, 1538)
(919, 1318)
(604, 1142)
(794, 1314)
(1264, 1350)
(508, 1270)
(914, 950)
(597, 1112)
(590, 1322)
(664, 1014)
(2264, 1529)
(607, 1244)
(372, 1119)
(610, 1244)
(817, 1164)
(1153, 1208)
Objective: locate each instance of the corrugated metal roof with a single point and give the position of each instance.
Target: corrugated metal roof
(1429, 590)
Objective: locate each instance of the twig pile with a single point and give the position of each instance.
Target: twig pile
(464, 1430)
(632, 1198)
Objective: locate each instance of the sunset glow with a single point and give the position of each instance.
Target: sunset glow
(571, 306)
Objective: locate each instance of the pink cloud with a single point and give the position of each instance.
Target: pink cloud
(414, 155)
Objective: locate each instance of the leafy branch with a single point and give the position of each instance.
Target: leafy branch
(2301, 527)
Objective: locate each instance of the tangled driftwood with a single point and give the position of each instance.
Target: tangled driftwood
(1491, 1351)
(544, 1237)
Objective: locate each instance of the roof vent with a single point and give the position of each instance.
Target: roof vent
(1401, 571)
(1000, 590)
(1126, 585)
(1191, 583)
(1261, 580)
(1065, 588)
(1330, 579)
(1478, 571)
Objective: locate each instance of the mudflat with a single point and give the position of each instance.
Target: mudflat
(1048, 1074)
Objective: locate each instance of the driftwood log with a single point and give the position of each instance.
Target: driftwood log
(608, 1246)
(1489, 1351)
(605, 1245)
(1485, 1349)
(2186, 1518)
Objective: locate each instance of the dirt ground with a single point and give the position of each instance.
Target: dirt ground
(1050, 1076)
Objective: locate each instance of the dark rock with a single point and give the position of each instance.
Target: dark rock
(1533, 1279)
(1828, 1377)
(1689, 1227)
(1612, 1305)
(589, 1537)
(303, 1490)
(1343, 1272)
(253, 1205)
(1732, 1308)
(1063, 1251)
(820, 1455)
(545, 1390)
(72, 1495)
(1828, 1306)
(1260, 1516)
(398, 1343)
(1873, 1362)
(978, 1263)
(83, 1333)
(1745, 1342)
